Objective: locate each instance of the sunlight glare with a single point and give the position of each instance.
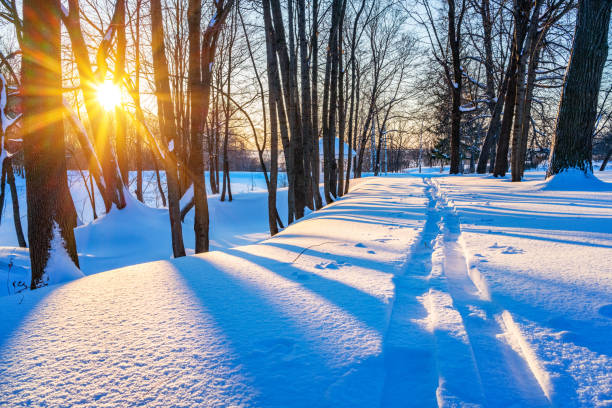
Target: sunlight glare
(109, 95)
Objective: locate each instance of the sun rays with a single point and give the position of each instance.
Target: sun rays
(108, 95)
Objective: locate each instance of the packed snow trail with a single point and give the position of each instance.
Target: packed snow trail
(539, 255)
(297, 320)
(444, 345)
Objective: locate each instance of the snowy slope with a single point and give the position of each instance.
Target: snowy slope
(141, 233)
(297, 320)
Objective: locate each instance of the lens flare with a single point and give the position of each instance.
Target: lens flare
(109, 95)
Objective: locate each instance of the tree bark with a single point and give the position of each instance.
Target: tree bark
(454, 36)
(307, 137)
(138, 146)
(572, 140)
(493, 130)
(521, 91)
(50, 206)
(207, 56)
(110, 188)
(606, 159)
(120, 119)
(290, 92)
(314, 128)
(521, 17)
(165, 111)
(352, 110)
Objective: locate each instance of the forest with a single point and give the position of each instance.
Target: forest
(465, 143)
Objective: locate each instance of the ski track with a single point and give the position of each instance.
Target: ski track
(447, 343)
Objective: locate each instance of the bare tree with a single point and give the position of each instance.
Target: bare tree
(167, 125)
(51, 212)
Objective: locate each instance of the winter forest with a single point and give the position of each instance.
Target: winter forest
(305, 203)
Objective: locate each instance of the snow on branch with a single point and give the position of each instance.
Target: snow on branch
(472, 80)
(467, 108)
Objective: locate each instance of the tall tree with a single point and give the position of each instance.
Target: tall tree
(572, 140)
(455, 20)
(167, 125)
(207, 56)
(103, 164)
(120, 118)
(521, 21)
(314, 128)
(50, 207)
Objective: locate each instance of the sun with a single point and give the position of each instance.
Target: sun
(108, 94)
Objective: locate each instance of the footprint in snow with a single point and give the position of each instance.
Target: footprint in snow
(276, 345)
(512, 250)
(371, 252)
(606, 311)
(360, 245)
(331, 265)
(507, 249)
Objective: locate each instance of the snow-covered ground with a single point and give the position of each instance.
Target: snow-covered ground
(416, 290)
(141, 233)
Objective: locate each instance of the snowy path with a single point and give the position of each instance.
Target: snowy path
(410, 291)
(539, 258)
(447, 343)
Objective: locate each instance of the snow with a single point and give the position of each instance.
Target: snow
(336, 149)
(544, 250)
(467, 108)
(60, 267)
(421, 289)
(257, 325)
(141, 233)
(575, 180)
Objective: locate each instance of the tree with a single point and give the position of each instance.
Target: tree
(521, 21)
(452, 67)
(572, 140)
(200, 98)
(51, 213)
(167, 125)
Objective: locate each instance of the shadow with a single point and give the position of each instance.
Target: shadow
(359, 304)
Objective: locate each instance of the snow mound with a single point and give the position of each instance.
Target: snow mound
(14, 270)
(575, 180)
(60, 267)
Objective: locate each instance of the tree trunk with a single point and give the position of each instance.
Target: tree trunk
(531, 77)
(120, 119)
(521, 17)
(339, 188)
(273, 97)
(290, 91)
(490, 138)
(167, 125)
(352, 110)
(521, 91)
(50, 206)
(572, 141)
(454, 35)
(138, 147)
(226, 109)
(606, 159)
(314, 129)
(110, 188)
(307, 137)
(15, 203)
